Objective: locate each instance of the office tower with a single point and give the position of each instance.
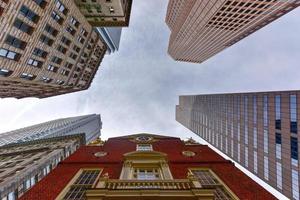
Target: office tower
(257, 130)
(143, 166)
(201, 29)
(90, 125)
(111, 37)
(102, 13)
(47, 48)
(24, 164)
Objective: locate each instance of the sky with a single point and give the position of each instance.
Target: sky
(136, 89)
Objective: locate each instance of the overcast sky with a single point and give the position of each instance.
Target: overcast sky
(136, 89)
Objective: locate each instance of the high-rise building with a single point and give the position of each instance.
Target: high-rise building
(47, 48)
(111, 36)
(103, 13)
(90, 125)
(201, 29)
(143, 166)
(24, 164)
(260, 131)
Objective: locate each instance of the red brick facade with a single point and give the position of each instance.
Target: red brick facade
(237, 181)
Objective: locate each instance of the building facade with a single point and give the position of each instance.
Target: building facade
(102, 13)
(257, 130)
(24, 164)
(143, 166)
(201, 29)
(48, 48)
(111, 36)
(90, 125)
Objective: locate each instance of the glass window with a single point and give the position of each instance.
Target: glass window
(266, 168)
(278, 145)
(255, 137)
(295, 184)
(246, 156)
(294, 151)
(293, 113)
(144, 147)
(32, 16)
(278, 112)
(265, 110)
(279, 175)
(255, 161)
(266, 141)
(146, 174)
(254, 110)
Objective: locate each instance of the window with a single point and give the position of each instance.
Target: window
(254, 110)
(294, 151)
(19, 24)
(27, 76)
(61, 7)
(34, 62)
(265, 111)
(46, 40)
(52, 68)
(66, 41)
(146, 174)
(5, 72)
(278, 145)
(24, 10)
(255, 137)
(295, 184)
(266, 141)
(246, 156)
(278, 112)
(46, 79)
(57, 17)
(86, 180)
(56, 60)
(41, 3)
(246, 118)
(279, 175)
(74, 21)
(40, 53)
(71, 30)
(59, 82)
(61, 49)
(293, 113)
(209, 180)
(9, 54)
(144, 147)
(15, 42)
(255, 161)
(51, 30)
(266, 168)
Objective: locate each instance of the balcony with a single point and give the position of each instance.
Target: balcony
(115, 189)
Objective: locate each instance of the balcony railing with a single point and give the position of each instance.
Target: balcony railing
(179, 184)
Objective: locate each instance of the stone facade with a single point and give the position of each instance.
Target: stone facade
(257, 130)
(201, 29)
(48, 48)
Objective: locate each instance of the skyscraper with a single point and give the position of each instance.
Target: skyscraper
(90, 125)
(47, 48)
(257, 130)
(201, 29)
(102, 13)
(111, 36)
(143, 166)
(24, 164)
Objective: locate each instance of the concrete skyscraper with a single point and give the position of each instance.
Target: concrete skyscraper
(90, 125)
(201, 29)
(260, 131)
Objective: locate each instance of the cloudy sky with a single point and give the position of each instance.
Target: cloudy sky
(137, 88)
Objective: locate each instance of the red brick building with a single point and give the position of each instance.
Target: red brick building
(148, 167)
